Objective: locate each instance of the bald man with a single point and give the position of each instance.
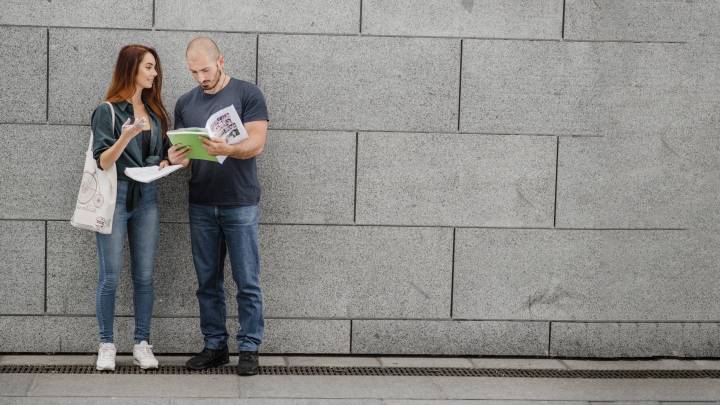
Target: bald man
(224, 207)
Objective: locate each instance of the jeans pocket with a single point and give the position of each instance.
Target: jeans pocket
(242, 215)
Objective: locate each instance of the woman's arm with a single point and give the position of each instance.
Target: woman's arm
(107, 149)
(112, 154)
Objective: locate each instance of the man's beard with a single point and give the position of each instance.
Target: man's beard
(213, 83)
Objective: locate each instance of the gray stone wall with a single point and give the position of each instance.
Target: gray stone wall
(456, 177)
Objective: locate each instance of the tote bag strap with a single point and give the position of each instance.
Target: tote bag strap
(112, 113)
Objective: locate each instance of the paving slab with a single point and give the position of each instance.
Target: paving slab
(546, 364)
(451, 362)
(371, 387)
(663, 364)
(707, 364)
(561, 389)
(43, 360)
(478, 402)
(113, 385)
(52, 400)
(277, 401)
(15, 384)
(333, 361)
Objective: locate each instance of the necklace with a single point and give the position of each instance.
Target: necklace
(225, 82)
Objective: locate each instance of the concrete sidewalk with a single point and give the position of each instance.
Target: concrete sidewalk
(325, 390)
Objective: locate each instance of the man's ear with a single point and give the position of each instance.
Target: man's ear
(221, 61)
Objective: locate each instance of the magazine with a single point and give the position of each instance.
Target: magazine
(224, 124)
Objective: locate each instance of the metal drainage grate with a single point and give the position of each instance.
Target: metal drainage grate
(374, 371)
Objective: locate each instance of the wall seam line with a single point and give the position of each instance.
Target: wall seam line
(45, 301)
(349, 34)
(47, 76)
(549, 345)
(357, 143)
(715, 322)
(460, 85)
(452, 274)
(562, 27)
(370, 225)
(351, 336)
(557, 168)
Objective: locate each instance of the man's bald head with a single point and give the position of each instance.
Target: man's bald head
(202, 46)
(206, 63)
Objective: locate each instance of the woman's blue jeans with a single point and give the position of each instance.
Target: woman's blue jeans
(216, 231)
(141, 226)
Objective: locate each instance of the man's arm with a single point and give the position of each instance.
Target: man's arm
(246, 149)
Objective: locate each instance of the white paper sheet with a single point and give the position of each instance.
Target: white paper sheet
(150, 173)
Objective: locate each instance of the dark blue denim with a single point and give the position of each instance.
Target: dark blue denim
(141, 226)
(216, 231)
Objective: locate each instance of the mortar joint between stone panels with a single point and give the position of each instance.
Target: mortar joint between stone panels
(257, 59)
(357, 144)
(562, 26)
(549, 345)
(47, 76)
(557, 169)
(345, 34)
(351, 337)
(45, 300)
(452, 273)
(459, 109)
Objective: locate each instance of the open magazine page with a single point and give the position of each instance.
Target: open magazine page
(226, 124)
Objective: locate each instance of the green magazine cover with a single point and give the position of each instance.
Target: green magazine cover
(192, 137)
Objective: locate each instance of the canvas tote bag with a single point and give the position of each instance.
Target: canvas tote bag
(98, 189)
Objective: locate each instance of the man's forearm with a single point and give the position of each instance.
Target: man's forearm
(246, 149)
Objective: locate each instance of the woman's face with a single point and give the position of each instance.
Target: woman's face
(146, 72)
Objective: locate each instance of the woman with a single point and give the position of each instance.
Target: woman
(135, 94)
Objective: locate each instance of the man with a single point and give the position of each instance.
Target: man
(224, 207)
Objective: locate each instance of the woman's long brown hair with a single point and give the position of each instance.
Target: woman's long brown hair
(122, 86)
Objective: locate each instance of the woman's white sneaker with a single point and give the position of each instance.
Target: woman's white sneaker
(106, 357)
(143, 356)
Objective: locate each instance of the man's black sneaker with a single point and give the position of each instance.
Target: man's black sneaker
(247, 363)
(208, 358)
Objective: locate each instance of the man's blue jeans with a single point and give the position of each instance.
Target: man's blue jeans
(142, 227)
(216, 231)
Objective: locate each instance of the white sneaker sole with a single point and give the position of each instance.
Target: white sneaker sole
(152, 366)
(105, 368)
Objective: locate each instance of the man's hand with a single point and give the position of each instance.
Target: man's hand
(177, 155)
(217, 147)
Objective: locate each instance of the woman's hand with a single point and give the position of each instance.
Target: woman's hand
(164, 164)
(130, 131)
(177, 155)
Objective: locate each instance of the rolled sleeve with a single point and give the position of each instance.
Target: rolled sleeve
(102, 129)
(178, 115)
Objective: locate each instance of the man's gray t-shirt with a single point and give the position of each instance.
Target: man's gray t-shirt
(235, 181)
